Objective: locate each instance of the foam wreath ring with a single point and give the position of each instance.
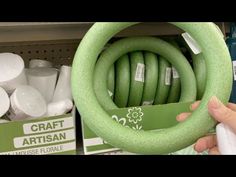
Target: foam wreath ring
(122, 81)
(136, 79)
(219, 83)
(164, 81)
(175, 87)
(155, 45)
(175, 90)
(151, 78)
(199, 69)
(151, 44)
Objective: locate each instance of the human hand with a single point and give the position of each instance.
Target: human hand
(221, 113)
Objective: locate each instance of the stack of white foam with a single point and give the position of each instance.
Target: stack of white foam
(37, 91)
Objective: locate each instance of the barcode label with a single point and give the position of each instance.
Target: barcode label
(175, 73)
(168, 76)
(139, 75)
(192, 43)
(234, 69)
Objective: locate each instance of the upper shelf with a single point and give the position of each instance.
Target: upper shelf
(50, 31)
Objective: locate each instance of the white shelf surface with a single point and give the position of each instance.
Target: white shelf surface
(51, 31)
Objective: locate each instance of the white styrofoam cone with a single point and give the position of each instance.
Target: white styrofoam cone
(59, 107)
(63, 87)
(4, 102)
(44, 80)
(26, 102)
(36, 63)
(11, 72)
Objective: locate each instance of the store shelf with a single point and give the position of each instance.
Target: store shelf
(56, 31)
(58, 41)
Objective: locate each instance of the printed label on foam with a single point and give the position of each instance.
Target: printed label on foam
(175, 73)
(110, 93)
(147, 103)
(192, 43)
(139, 75)
(234, 69)
(168, 76)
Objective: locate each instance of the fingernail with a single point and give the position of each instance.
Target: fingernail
(177, 117)
(214, 103)
(192, 105)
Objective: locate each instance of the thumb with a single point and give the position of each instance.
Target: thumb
(221, 113)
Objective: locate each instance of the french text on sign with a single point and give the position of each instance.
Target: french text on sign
(44, 150)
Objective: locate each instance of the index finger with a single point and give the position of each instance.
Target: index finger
(195, 105)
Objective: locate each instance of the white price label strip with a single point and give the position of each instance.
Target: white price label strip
(168, 76)
(234, 69)
(139, 75)
(148, 102)
(175, 73)
(110, 93)
(192, 43)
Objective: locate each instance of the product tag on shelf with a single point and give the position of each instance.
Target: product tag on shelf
(192, 43)
(234, 69)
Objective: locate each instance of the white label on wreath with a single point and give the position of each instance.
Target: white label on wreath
(234, 69)
(168, 76)
(110, 93)
(139, 74)
(147, 103)
(192, 43)
(175, 73)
